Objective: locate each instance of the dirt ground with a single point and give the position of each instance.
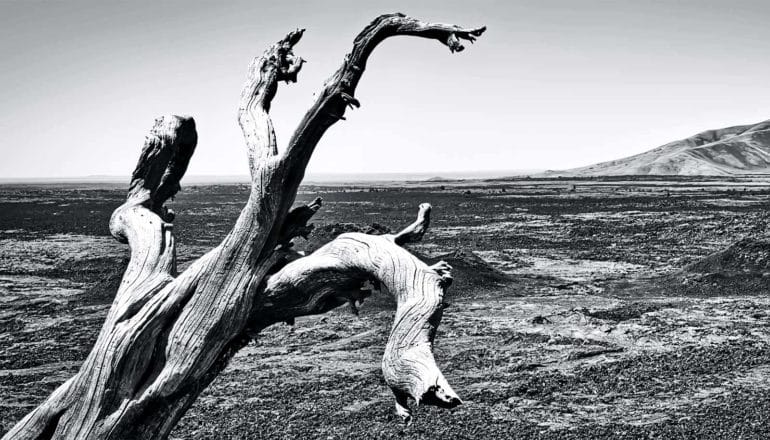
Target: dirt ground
(581, 309)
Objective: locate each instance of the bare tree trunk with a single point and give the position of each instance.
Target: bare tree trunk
(168, 335)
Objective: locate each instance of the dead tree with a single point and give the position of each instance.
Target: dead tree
(168, 335)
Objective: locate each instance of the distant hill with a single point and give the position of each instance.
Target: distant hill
(742, 149)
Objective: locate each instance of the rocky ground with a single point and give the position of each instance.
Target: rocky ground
(581, 309)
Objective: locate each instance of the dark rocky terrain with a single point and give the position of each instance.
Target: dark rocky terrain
(583, 309)
(739, 150)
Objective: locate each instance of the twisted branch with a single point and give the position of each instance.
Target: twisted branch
(338, 92)
(334, 274)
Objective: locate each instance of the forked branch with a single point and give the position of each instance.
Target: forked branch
(167, 337)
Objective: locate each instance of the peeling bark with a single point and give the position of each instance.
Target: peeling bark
(167, 336)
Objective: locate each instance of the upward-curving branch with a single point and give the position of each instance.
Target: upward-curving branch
(167, 336)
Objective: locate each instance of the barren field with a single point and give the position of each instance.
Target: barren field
(581, 309)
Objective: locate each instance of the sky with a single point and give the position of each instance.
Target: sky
(552, 84)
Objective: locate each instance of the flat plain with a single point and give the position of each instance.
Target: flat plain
(594, 308)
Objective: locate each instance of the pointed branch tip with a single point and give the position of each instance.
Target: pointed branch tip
(416, 230)
(293, 37)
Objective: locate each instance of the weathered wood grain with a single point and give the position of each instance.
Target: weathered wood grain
(167, 336)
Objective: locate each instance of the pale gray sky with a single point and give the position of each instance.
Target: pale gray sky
(552, 84)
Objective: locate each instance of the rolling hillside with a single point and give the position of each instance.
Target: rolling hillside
(735, 150)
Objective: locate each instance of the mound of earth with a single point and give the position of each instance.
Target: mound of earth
(326, 233)
(472, 275)
(743, 149)
(748, 256)
(741, 269)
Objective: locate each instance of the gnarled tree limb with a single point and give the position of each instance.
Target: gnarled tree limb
(142, 222)
(338, 92)
(166, 337)
(278, 63)
(333, 274)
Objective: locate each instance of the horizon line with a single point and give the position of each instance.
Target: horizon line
(309, 177)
